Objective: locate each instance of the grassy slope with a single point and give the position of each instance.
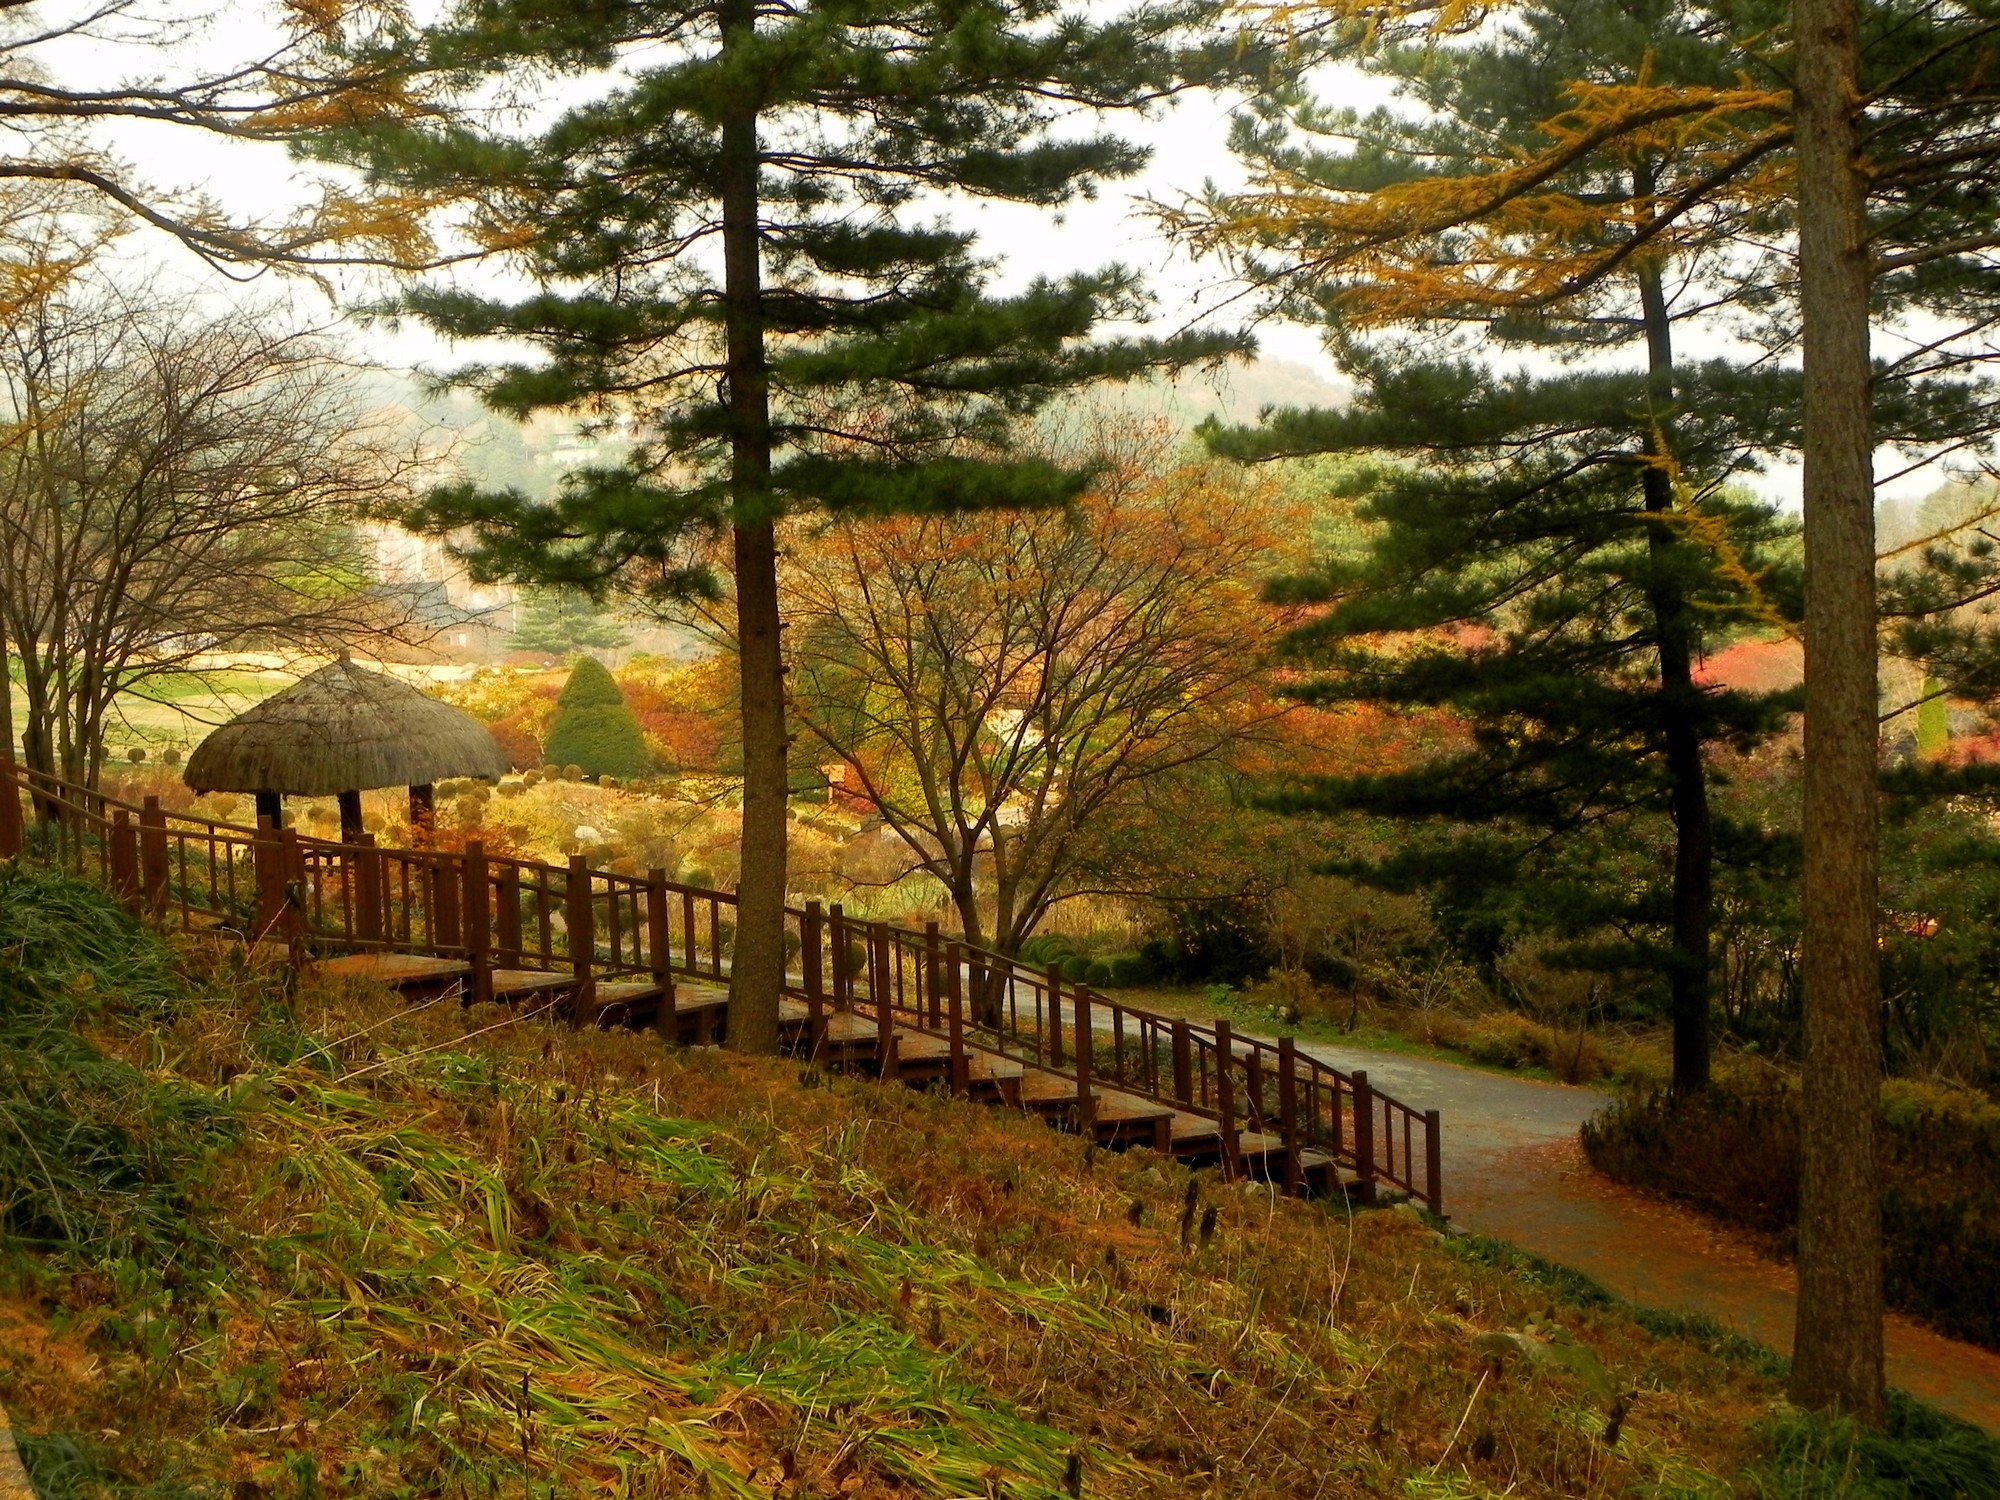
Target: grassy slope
(343, 1246)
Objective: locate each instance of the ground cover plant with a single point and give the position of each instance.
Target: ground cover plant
(423, 1251)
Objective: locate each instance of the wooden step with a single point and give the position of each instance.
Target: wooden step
(512, 985)
(631, 1003)
(1128, 1120)
(417, 976)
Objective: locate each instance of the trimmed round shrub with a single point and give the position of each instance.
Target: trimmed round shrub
(1075, 968)
(572, 772)
(170, 756)
(531, 778)
(1129, 968)
(136, 755)
(608, 782)
(1046, 948)
(1099, 972)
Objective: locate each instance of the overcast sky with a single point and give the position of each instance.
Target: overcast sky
(1187, 140)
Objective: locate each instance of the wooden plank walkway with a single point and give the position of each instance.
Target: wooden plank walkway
(646, 953)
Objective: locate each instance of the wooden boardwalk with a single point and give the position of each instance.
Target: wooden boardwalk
(597, 948)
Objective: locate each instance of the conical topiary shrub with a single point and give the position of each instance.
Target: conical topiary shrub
(593, 728)
(590, 685)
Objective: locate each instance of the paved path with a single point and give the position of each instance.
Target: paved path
(1512, 1168)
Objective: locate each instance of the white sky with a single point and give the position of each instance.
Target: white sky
(1187, 140)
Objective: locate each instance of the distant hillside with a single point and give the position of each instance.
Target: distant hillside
(1236, 393)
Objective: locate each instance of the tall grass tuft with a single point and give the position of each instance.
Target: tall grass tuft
(94, 1156)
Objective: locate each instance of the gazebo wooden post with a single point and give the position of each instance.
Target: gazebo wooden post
(271, 809)
(350, 817)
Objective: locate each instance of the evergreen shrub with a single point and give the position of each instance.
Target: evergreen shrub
(1046, 948)
(590, 685)
(593, 732)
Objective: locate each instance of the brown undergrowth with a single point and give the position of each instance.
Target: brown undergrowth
(462, 1253)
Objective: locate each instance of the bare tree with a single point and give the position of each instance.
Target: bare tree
(173, 484)
(994, 684)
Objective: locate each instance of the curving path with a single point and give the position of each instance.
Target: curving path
(1513, 1169)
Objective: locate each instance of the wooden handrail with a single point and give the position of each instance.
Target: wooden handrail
(503, 911)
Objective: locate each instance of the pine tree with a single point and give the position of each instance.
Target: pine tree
(1519, 225)
(1838, 1344)
(1563, 547)
(730, 230)
(560, 621)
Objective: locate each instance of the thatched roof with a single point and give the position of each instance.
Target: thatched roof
(343, 728)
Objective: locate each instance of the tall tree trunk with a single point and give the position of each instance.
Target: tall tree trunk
(6, 694)
(1680, 715)
(757, 960)
(1837, 1357)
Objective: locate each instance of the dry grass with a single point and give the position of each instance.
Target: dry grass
(466, 1258)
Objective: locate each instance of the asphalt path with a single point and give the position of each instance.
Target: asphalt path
(1513, 1169)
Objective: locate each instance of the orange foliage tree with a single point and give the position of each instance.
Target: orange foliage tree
(995, 686)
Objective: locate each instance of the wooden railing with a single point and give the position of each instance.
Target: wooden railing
(497, 913)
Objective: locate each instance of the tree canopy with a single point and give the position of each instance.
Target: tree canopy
(732, 230)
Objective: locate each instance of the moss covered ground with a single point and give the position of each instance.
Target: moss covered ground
(297, 1240)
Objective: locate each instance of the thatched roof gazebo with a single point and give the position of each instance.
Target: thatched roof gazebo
(338, 732)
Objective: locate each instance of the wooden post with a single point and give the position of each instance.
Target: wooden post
(444, 902)
(843, 978)
(660, 942)
(578, 917)
(882, 995)
(1364, 1132)
(370, 921)
(507, 918)
(812, 970)
(292, 893)
(476, 925)
(933, 1009)
(1086, 1097)
(1288, 1115)
(1434, 1161)
(961, 1065)
(350, 817)
(266, 858)
(1225, 1102)
(1183, 1066)
(153, 858)
(13, 833)
(271, 809)
(1052, 1021)
(124, 856)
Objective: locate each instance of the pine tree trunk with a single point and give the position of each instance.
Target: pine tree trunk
(757, 958)
(1837, 1357)
(1680, 720)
